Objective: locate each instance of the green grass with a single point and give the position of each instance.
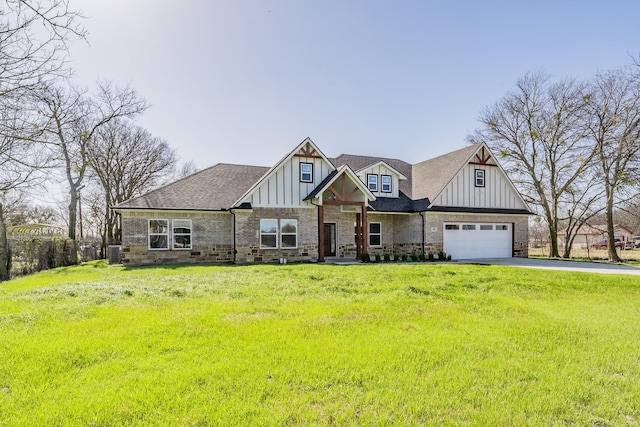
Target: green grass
(375, 344)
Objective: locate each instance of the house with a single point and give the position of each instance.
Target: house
(309, 207)
(587, 235)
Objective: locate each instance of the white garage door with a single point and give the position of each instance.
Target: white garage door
(477, 240)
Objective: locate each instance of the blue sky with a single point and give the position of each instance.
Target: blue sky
(244, 81)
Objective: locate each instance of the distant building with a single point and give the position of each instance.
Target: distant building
(588, 235)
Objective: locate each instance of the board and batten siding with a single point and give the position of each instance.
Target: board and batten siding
(282, 188)
(380, 170)
(498, 192)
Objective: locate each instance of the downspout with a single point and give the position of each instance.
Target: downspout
(318, 213)
(234, 234)
(423, 226)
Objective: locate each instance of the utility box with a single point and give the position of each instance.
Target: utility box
(113, 254)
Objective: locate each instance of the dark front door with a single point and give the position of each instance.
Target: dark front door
(329, 239)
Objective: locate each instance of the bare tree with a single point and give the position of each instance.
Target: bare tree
(127, 160)
(33, 36)
(537, 130)
(613, 110)
(70, 120)
(185, 169)
(20, 156)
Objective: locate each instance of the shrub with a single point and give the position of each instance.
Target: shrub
(442, 255)
(387, 257)
(365, 257)
(430, 257)
(397, 257)
(421, 257)
(414, 257)
(378, 258)
(404, 257)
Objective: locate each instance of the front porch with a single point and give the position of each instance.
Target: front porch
(345, 199)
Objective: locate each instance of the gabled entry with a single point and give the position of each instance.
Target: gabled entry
(341, 188)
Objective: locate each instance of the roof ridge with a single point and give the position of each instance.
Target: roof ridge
(450, 153)
(371, 157)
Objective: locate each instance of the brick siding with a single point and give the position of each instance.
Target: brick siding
(212, 235)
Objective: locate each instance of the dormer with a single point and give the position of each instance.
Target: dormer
(381, 179)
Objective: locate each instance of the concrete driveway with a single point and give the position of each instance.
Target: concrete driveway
(560, 265)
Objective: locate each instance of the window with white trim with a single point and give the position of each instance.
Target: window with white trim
(502, 227)
(468, 226)
(386, 183)
(159, 234)
(372, 182)
(288, 233)
(375, 234)
(181, 233)
(306, 172)
(268, 233)
(479, 178)
(278, 233)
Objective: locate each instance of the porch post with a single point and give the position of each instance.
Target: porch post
(320, 233)
(365, 227)
(358, 235)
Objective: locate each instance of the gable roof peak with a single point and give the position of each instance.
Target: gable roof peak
(386, 165)
(307, 148)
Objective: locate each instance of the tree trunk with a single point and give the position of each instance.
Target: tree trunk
(567, 248)
(73, 211)
(553, 237)
(611, 243)
(5, 256)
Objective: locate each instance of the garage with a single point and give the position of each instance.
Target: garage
(478, 240)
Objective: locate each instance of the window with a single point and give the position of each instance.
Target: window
(486, 227)
(372, 182)
(268, 233)
(502, 227)
(287, 229)
(468, 227)
(375, 234)
(288, 233)
(159, 234)
(479, 178)
(181, 233)
(306, 172)
(386, 183)
(451, 227)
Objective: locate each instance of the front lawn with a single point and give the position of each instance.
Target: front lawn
(378, 344)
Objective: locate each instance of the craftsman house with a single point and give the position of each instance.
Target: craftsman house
(309, 207)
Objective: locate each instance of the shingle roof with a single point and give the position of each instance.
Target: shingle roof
(220, 186)
(322, 185)
(431, 176)
(356, 163)
(400, 204)
(215, 188)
